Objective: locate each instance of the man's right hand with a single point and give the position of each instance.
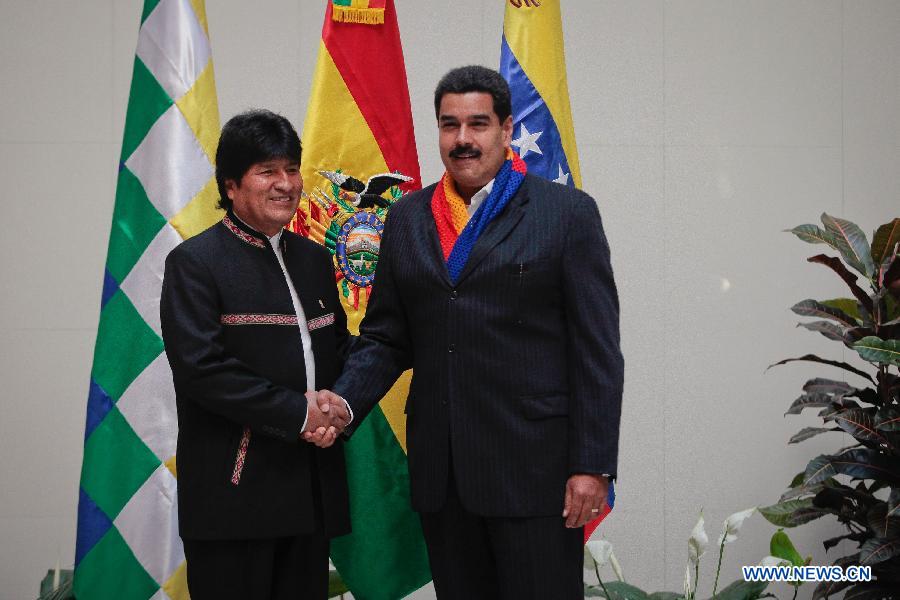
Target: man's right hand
(327, 416)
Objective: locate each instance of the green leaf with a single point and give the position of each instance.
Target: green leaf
(885, 238)
(792, 512)
(851, 243)
(619, 590)
(847, 305)
(878, 550)
(781, 546)
(817, 359)
(849, 278)
(808, 432)
(742, 590)
(813, 308)
(813, 234)
(860, 424)
(826, 328)
(875, 349)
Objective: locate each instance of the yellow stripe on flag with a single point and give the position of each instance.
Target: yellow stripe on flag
(544, 61)
(201, 110)
(341, 142)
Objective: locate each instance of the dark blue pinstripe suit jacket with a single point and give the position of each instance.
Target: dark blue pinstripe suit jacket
(516, 367)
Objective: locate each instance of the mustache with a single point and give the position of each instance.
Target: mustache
(460, 151)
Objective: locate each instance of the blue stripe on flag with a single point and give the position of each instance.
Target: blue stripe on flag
(92, 525)
(110, 287)
(98, 406)
(530, 111)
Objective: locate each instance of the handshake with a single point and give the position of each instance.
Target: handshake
(327, 414)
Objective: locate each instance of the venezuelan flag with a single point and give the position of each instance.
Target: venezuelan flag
(533, 62)
(359, 125)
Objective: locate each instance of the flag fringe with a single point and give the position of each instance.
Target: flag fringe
(349, 14)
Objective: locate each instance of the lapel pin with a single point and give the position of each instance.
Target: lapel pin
(321, 304)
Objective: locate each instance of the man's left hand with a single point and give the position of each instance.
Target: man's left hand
(585, 498)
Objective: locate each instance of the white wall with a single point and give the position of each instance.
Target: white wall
(705, 127)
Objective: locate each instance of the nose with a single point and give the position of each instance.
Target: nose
(283, 181)
(463, 136)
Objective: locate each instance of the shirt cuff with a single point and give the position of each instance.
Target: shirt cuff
(349, 410)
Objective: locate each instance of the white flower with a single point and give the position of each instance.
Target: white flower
(616, 567)
(774, 561)
(600, 550)
(733, 525)
(697, 542)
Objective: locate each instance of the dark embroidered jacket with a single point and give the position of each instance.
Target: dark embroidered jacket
(231, 337)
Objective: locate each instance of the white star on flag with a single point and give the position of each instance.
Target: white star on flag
(527, 141)
(563, 178)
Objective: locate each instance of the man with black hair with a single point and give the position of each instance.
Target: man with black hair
(251, 322)
(495, 287)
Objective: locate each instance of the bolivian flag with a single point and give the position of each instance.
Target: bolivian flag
(359, 125)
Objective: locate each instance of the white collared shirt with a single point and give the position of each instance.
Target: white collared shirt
(308, 357)
(478, 197)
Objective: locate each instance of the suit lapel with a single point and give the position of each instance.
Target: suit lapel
(432, 241)
(497, 230)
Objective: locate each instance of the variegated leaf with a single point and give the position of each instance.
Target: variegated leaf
(814, 234)
(832, 331)
(885, 238)
(808, 432)
(887, 419)
(878, 550)
(848, 305)
(884, 523)
(877, 350)
(851, 243)
(809, 401)
(860, 424)
(818, 359)
(792, 512)
(849, 278)
(827, 386)
(813, 308)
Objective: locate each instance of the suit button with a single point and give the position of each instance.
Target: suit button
(453, 295)
(451, 348)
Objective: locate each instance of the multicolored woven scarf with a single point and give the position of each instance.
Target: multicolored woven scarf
(456, 231)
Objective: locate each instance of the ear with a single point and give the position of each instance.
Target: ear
(507, 129)
(230, 186)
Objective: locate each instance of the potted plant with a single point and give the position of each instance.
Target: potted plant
(858, 484)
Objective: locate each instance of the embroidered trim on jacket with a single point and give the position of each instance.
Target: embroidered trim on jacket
(241, 457)
(249, 319)
(319, 322)
(241, 234)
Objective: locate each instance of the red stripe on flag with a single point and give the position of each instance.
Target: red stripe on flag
(590, 526)
(377, 82)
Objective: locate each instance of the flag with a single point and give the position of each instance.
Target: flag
(127, 544)
(359, 125)
(533, 62)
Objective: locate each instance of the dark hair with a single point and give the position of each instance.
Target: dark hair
(251, 137)
(475, 78)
